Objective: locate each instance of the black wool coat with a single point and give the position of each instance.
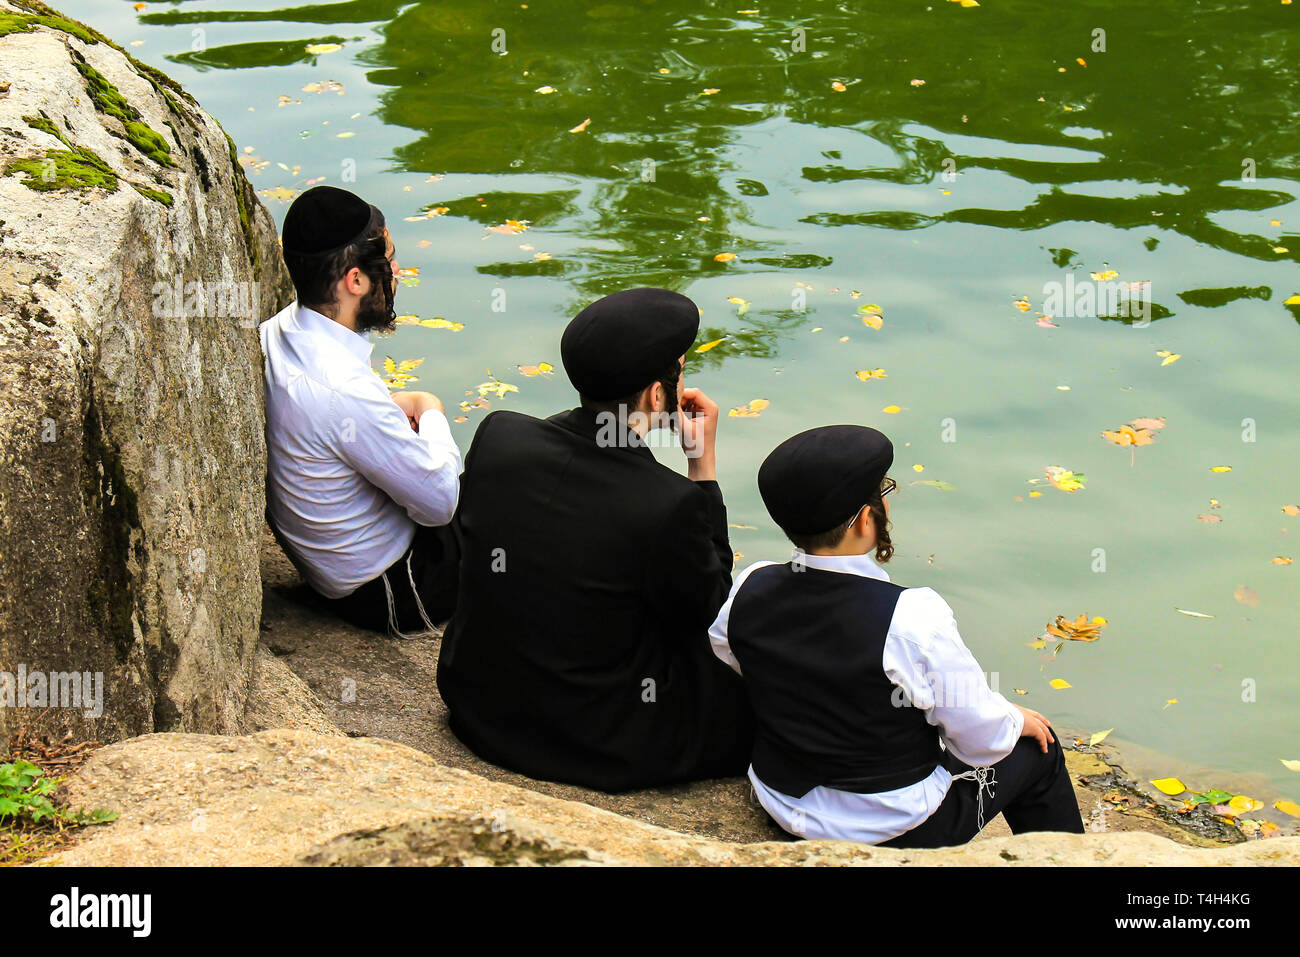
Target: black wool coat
(590, 574)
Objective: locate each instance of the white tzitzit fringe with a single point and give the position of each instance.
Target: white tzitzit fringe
(986, 780)
(429, 627)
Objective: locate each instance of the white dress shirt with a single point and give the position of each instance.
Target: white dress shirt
(348, 479)
(925, 657)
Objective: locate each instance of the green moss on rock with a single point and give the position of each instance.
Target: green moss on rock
(73, 168)
(77, 168)
(157, 195)
(25, 22)
(241, 187)
(108, 99)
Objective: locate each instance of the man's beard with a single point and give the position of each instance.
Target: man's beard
(375, 312)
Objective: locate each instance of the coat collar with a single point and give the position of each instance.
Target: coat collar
(602, 429)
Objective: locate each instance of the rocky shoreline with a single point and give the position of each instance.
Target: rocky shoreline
(249, 728)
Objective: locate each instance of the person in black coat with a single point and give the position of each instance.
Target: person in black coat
(590, 573)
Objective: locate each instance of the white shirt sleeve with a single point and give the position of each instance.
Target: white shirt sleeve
(718, 630)
(420, 471)
(925, 656)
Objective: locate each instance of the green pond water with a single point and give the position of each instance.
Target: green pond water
(1170, 157)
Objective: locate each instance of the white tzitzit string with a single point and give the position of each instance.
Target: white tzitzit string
(424, 616)
(430, 627)
(985, 779)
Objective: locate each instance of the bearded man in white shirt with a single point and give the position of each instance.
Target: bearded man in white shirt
(361, 484)
(874, 722)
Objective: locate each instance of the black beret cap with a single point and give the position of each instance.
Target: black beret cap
(623, 342)
(324, 219)
(819, 479)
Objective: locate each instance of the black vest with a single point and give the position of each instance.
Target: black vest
(810, 645)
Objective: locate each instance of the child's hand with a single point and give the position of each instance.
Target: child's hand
(1036, 726)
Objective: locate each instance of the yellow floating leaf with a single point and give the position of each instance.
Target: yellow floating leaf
(752, 409)
(874, 321)
(838, 87)
(1099, 737)
(581, 127)
(1035, 494)
(1064, 479)
(1170, 786)
(1105, 276)
(1221, 468)
(918, 468)
(1060, 684)
(1241, 804)
(1288, 807)
(542, 368)
(865, 374)
(544, 90)
(1081, 61)
(918, 83)
(1291, 509)
(497, 388)
(1293, 301)
(316, 49)
(724, 257)
(1169, 702)
(1280, 250)
(892, 409)
(710, 91)
(1170, 357)
(1080, 629)
(705, 347)
(1022, 304)
(1281, 560)
(1290, 765)
(437, 322)
(1020, 691)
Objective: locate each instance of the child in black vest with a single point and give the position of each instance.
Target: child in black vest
(874, 721)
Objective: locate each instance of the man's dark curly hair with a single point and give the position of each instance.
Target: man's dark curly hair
(315, 276)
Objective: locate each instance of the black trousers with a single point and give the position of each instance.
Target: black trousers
(1032, 790)
(432, 563)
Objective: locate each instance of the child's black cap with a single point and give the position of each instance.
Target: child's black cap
(819, 479)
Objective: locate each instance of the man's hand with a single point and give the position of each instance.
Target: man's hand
(699, 421)
(1038, 727)
(415, 404)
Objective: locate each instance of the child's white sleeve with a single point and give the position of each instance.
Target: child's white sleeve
(718, 637)
(925, 656)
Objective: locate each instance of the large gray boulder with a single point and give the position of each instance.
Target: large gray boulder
(135, 263)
